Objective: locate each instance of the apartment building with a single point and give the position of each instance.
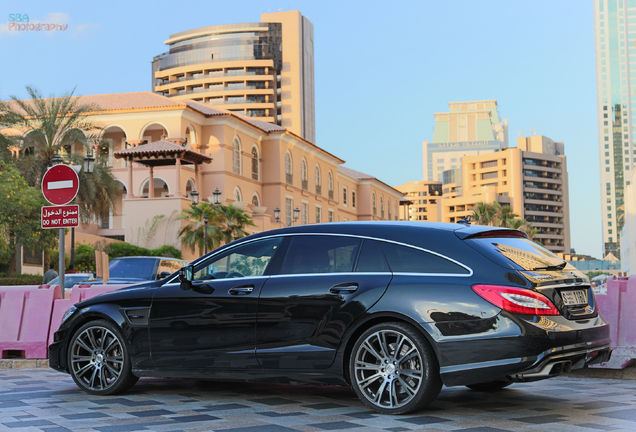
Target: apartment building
(424, 201)
(531, 178)
(263, 70)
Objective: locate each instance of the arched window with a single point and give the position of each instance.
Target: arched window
(330, 184)
(388, 208)
(254, 163)
(289, 179)
(395, 207)
(236, 157)
(375, 209)
(255, 201)
(318, 180)
(303, 174)
(382, 207)
(237, 194)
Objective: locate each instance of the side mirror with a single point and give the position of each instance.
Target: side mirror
(185, 276)
(164, 274)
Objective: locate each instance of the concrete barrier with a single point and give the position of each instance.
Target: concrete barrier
(25, 320)
(617, 304)
(78, 293)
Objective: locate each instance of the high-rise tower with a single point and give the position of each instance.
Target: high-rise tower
(263, 70)
(615, 64)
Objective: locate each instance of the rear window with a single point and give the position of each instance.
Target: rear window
(522, 253)
(404, 259)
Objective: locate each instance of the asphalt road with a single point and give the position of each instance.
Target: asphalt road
(45, 400)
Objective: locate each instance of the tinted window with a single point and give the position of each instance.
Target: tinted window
(242, 261)
(404, 259)
(372, 258)
(133, 268)
(526, 254)
(321, 254)
(169, 266)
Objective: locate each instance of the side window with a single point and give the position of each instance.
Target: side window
(372, 258)
(404, 259)
(242, 261)
(321, 254)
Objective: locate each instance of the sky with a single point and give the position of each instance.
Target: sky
(381, 70)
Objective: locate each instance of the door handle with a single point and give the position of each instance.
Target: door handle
(343, 288)
(241, 290)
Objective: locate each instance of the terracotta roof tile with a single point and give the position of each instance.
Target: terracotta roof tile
(153, 147)
(206, 109)
(355, 174)
(262, 125)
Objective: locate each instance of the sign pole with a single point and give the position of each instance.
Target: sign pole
(62, 261)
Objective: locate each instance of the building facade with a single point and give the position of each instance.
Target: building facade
(263, 70)
(161, 149)
(467, 129)
(425, 201)
(614, 37)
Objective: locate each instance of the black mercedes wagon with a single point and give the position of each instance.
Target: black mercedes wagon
(393, 309)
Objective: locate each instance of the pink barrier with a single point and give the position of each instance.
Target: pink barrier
(25, 319)
(617, 306)
(78, 294)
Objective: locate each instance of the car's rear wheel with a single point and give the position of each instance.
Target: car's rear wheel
(98, 359)
(393, 369)
(490, 386)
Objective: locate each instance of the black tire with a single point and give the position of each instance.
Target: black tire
(492, 386)
(381, 359)
(98, 359)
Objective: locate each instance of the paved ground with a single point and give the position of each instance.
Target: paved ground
(45, 400)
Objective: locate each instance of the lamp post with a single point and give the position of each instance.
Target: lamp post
(89, 166)
(57, 159)
(195, 201)
(277, 216)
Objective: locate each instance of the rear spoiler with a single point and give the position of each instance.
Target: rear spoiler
(486, 232)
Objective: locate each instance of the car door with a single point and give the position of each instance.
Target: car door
(306, 308)
(212, 325)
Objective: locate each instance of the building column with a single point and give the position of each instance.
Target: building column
(151, 184)
(178, 166)
(130, 193)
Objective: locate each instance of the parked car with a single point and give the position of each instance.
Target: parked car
(394, 309)
(71, 279)
(133, 270)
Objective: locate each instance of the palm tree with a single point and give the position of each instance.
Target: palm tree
(53, 126)
(225, 224)
(235, 221)
(526, 227)
(503, 215)
(483, 213)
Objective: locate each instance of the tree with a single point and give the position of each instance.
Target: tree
(54, 126)
(494, 214)
(483, 213)
(225, 224)
(20, 214)
(503, 215)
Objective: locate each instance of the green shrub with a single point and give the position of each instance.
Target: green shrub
(84, 257)
(21, 279)
(166, 251)
(117, 250)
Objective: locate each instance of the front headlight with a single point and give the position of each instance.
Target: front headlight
(68, 313)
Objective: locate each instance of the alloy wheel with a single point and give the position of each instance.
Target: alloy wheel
(97, 358)
(388, 369)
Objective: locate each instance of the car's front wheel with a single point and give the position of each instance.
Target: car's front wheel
(98, 359)
(393, 369)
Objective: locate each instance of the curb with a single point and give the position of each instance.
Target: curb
(23, 363)
(629, 373)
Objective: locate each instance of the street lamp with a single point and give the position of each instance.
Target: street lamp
(57, 159)
(217, 196)
(89, 167)
(89, 163)
(194, 195)
(277, 214)
(296, 214)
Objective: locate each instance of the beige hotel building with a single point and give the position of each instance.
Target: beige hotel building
(531, 178)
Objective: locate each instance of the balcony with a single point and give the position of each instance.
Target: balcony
(163, 82)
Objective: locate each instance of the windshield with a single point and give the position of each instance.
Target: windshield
(523, 253)
(133, 268)
(71, 279)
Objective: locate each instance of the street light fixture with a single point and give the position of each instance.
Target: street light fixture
(89, 163)
(57, 159)
(217, 196)
(296, 214)
(194, 196)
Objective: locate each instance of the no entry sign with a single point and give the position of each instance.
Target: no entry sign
(60, 216)
(60, 184)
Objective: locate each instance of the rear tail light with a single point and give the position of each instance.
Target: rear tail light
(516, 300)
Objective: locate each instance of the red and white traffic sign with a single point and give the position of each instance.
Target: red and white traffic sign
(60, 216)
(60, 184)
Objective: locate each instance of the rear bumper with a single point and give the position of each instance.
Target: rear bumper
(523, 349)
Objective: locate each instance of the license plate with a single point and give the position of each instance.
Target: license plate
(572, 298)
